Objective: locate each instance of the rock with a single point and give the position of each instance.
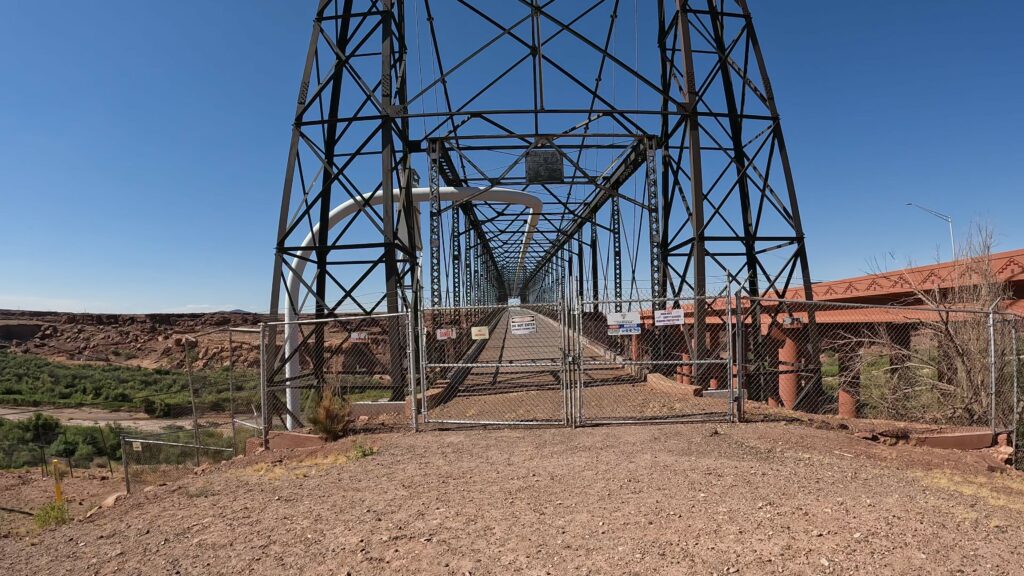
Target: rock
(112, 499)
(1004, 455)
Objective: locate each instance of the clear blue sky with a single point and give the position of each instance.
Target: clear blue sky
(143, 144)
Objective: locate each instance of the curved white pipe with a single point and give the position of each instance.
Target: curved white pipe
(448, 194)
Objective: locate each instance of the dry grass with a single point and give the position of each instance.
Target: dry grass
(330, 416)
(1004, 491)
(307, 467)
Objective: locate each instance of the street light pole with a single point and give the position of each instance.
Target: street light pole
(948, 219)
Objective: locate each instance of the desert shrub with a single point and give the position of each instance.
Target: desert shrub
(26, 442)
(52, 514)
(329, 416)
(360, 451)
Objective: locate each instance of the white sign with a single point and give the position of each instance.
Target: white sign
(623, 323)
(624, 317)
(668, 317)
(480, 333)
(445, 333)
(359, 337)
(137, 446)
(522, 325)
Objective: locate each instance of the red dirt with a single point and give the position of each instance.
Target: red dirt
(27, 490)
(674, 499)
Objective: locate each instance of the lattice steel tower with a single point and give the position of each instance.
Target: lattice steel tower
(646, 131)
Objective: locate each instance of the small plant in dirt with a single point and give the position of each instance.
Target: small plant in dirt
(52, 514)
(360, 451)
(329, 417)
(199, 492)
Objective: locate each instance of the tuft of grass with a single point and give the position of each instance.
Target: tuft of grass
(199, 492)
(359, 451)
(329, 417)
(52, 514)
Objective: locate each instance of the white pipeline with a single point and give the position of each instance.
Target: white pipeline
(292, 334)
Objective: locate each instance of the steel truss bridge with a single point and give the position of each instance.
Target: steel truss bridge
(459, 153)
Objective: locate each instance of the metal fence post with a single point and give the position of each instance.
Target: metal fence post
(1016, 400)
(730, 358)
(992, 365)
(264, 418)
(106, 449)
(740, 357)
(231, 390)
(42, 460)
(192, 399)
(124, 465)
(411, 361)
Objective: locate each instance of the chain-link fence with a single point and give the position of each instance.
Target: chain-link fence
(337, 375)
(1007, 371)
(223, 370)
(219, 418)
(915, 366)
(503, 364)
(647, 360)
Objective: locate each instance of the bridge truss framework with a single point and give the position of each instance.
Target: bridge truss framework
(648, 130)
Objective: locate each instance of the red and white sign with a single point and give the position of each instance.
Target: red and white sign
(445, 333)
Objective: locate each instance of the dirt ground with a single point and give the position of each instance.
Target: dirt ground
(769, 498)
(25, 491)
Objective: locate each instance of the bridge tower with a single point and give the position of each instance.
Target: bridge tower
(647, 131)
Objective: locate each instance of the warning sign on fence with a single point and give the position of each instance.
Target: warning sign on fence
(668, 317)
(480, 333)
(522, 325)
(445, 333)
(137, 446)
(359, 337)
(623, 323)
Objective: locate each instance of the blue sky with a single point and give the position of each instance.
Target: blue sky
(143, 144)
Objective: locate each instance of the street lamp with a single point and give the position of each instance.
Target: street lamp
(941, 216)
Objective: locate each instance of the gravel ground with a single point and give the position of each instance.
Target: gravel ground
(766, 498)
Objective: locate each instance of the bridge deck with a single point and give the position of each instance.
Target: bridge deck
(519, 379)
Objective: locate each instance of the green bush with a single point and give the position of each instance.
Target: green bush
(27, 380)
(52, 514)
(23, 442)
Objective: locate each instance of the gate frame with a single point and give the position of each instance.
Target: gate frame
(563, 365)
(735, 380)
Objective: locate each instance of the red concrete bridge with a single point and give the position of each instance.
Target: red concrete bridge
(849, 314)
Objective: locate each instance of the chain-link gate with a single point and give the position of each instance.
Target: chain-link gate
(504, 364)
(552, 364)
(639, 362)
